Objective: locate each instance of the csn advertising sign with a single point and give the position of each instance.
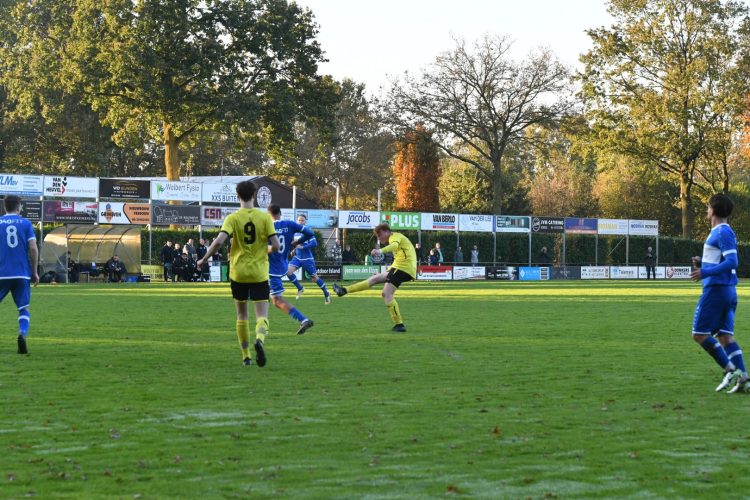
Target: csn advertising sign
(214, 216)
(21, 185)
(124, 213)
(402, 220)
(512, 224)
(477, 223)
(71, 187)
(353, 219)
(439, 222)
(177, 191)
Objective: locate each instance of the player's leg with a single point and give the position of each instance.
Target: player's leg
(278, 300)
(259, 294)
(394, 279)
(730, 345)
(240, 293)
(21, 290)
(362, 285)
(294, 264)
(707, 320)
(309, 266)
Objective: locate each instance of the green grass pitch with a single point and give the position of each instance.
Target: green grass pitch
(498, 390)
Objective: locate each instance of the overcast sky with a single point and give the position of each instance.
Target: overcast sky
(367, 40)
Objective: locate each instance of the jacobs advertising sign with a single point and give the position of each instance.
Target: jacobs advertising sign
(402, 220)
(117, 212)
(439, 222)
(353, 219)
(70, 187)
(177, 191)
(512, 224)
(131, 189)
(21, 185)
(548, 224)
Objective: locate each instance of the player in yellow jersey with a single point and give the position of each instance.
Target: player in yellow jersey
(252, 231)
(403, 269)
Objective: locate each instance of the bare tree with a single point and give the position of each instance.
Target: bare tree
(479, 99)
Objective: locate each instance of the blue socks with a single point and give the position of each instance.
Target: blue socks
(713, 347)
(23, 322)
(294, 313)
(293, 278)
(322, 285)
(734, 354)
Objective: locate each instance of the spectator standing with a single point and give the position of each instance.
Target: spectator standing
(433, 259)
(418, 250)
(73, 269)
(543, 258)
(439, 253)
(475, 256)
(190, 250)
(167, 256)
(348, 257)
(201, 252)
(650, 261)
(459, 257)
(336, 254)
(177, 263)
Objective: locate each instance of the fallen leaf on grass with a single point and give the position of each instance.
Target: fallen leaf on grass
(452, 489)
(497, 432)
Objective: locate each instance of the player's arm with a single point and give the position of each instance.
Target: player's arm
(213, 248)
(307, 234)
(274, 245)
(729, 252)
(34, 261)
(389, 248)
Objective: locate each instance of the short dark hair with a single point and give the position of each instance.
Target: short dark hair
(246, 190)
(302, 215)
(722, 205)
(274, 209)
(382, 227)
(12, 202)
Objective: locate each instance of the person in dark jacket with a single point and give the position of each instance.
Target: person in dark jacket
(201, 252)
(115, 269)
(167, 256)
(649, 260)
(543, 258)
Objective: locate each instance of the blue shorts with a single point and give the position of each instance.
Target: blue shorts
(714, 313)
(20, 289)
(308, 265)
(277, 286)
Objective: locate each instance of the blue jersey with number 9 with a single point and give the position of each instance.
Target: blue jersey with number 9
(16, 234)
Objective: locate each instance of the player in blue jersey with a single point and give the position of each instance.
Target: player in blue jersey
(278, 264)
(303, 258)
(714, 314)
(19, 257)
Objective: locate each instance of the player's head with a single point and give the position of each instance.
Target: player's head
(301, 219)
(275, 211)
(720, 205)
(12, 203)
(246, 190)
(382, 232)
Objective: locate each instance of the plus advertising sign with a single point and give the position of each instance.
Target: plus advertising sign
(401, 220)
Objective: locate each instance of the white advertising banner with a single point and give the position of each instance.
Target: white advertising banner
(660, 272)
(217, 192)
(439, 222)
(71, 187)
(468, 272)
(678, 272)
(478, 223)
(613, 226)
(354, 219)
(595, 272)
(117, 212)
(176, 191)
(288, 214)
(623, 272)
(436, 273)
(21, 185)
(643, 227)
(214, 216)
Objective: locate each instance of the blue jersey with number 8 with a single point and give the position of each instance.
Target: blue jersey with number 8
(16, 234)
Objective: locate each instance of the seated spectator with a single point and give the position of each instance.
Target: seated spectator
(115, 269)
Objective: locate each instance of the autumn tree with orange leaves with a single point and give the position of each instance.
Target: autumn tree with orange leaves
(416, 171)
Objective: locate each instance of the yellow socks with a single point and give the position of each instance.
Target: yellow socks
(358, 287)
(243, 335)
(261, 329)
(395, 312)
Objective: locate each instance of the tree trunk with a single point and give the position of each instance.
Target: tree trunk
(497, 189)
(171, 153)
(686, 204)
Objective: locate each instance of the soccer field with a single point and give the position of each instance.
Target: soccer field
(498, 390)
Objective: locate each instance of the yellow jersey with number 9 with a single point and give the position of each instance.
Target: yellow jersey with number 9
(249, 229)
